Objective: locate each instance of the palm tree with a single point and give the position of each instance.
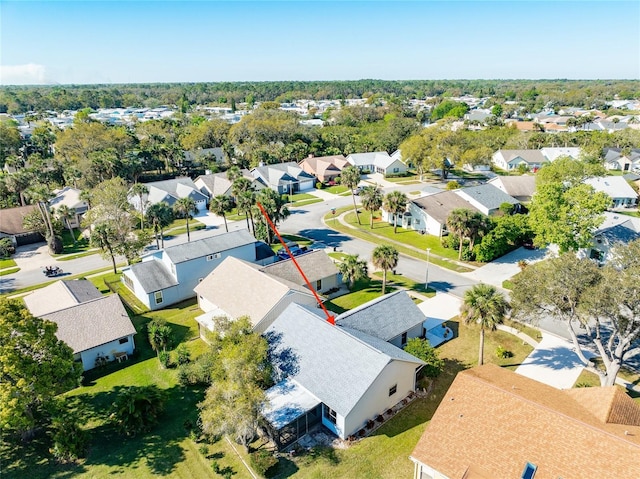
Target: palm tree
(371, 197)
(275, 206)
(395, 203)
(184, 208)
(352, 269)
(245, 201)
(140, 190)
(385, 257)
(160, 215)
(350, 177)
(459, 222)
(485, 305)
(234, 173)
(66, 214)
(221, 205)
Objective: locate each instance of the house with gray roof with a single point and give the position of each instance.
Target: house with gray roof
(205, 154)
(336, 376)
(378, 162)
(70, 197)
(12, 227)
(521, 188)
(429, 213)
(285, 178)
(393, 318)
(91, 324)
(616, 187)
(485, 198)
(170, 191)
(217, 184)
(318, 267)
(238, 288)
(615, 229)
(169, 276)
(617, 159)
(512, 159)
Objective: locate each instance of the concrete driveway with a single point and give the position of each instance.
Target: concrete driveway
(553, 362)
(441, 306)
(505, 267)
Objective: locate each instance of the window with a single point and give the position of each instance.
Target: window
(396, 170)
(318, 285)
(393, 389)
(213, 256)
(123, 340)
(329, 414)
(404, 338)
(158, 297)
(127, 281)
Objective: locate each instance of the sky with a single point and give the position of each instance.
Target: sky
(88, 42)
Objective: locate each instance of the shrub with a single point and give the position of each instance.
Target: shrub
(421, 349)
(69, 439)
(319, 185)
(503, 353)
(262, 460)
(370, 424)
(380, 419)
(6, 248)
(184, 356)
(137, 409)
(204, 450)
(452, 185)
(165, 358)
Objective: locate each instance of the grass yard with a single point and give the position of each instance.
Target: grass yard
(7, 271)
(337, 189)
(7, 263)
(363, 290)
(399, 280)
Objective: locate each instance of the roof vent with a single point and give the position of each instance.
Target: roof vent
(529, 471)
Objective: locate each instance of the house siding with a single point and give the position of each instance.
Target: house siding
(422, 471)
(425, 222)
(137, 289)
(377, 400)
(397, 164)
(414, 332)
(88, 357)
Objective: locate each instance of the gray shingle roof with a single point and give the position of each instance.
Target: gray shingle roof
(282, 173)
(92, 323)
(60, 295)
(487, 195)
(440, 205)
(529, 156)
(153, 276)
(517, 186)
(315, 264)
(333, 365)
(385, 317)
(207, 246)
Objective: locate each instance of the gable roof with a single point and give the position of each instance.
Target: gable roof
(92, 323)
(377, 158)
(495, 421)
(171, 190)
(11, 219)
(440, 205)
(60, 295)
(153, 275)
(528, 156)
(281, 173)
(315, 264)
(488, 196)
(206, 246)
(321, 164)
(385, 317)
(335, 366)
(516, 186)
(218, 183)
(614, 186)
(222, 286)
(553, 153)
(70, 197)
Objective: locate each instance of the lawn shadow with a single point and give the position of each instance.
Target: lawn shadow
(327, 236)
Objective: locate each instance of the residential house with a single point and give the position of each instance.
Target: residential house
(521, 188)
(429, 213)
(494, 423)
(394, 318)
(512, 159)
(616, 159)
(91, 324)
(617, 188)
(168, 276)
(324, 168)
(238, 288)
(69, 196)
(378, 162)
(633, 178)
(615, 229)
(11, 225)
(170, 191)
(318, 267)
(217, 184)
(285, 178)
(486, 198)
(336, 376)
(553, 153)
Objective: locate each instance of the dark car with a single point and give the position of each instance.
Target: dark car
(528, 244)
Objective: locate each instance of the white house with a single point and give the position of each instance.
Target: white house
(615, 229)
(553, 153)
(217, 184)
(91, 324)
(169, 276)
(285, 178)
(170, 191)
(617, 188)
(378, 162)
(521, 188)
(512, 159)
(614, 159)
(70, 197)
(337, 376)
(485, 198)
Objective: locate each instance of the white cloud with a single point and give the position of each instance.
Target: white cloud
(29, 74)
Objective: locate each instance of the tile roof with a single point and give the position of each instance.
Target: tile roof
(385, 317)
(11, 219)
(206, 246)
(153, 275)
(92, 323)
(495, 421)
(60, 295)
(336, 367)
(489, 196)
(315, 264)
(440, 205)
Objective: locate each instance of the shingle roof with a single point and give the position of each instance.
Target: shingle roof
(487, 195)
(440, 205)
(385, 317)
(282, 173)
(261, 291)
(333, 365)
(377, 158)
(92, 323)
(315, 264)
(59, 295)
(218, 183)
(210, 245)
(11, 219)
(153, 275)
(68, 196)
(495, 421)
(614, 186)
(529, 156)
(517, 186)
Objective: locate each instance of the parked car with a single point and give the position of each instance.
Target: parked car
(356, 191)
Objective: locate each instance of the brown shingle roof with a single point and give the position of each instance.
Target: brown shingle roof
(609, 404)
(315, 264)
(495, 421)
(11, 219)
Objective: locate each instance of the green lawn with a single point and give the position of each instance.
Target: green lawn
(7, 263)
(67, 257)
(5, 272)
(337, 189)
